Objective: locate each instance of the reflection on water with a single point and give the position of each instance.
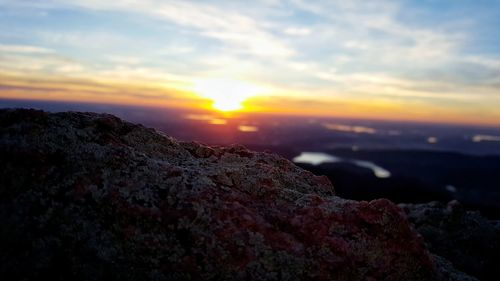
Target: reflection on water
(217, 121)
(350, 129)
(480, 138)
(377, 170)
(207, 118)
(451, 188)
(247, 128)
(432, 140)
(199, 117)
(317, 158)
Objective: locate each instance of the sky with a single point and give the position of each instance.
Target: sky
(430, 61)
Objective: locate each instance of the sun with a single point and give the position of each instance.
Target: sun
(226, 94)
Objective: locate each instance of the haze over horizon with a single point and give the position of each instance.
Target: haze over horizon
(424, 61)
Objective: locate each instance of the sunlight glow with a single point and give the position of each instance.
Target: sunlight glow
(226, 94)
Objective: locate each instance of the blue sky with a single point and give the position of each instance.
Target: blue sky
(384, 59)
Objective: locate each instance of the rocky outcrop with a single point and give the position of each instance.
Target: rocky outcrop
(465, 238)
(89, 197)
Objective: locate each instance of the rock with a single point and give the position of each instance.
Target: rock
(465, 238)
(85, 196)
(449, 272)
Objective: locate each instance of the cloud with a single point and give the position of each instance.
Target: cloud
(88, 90)
(86, 40)
(223, 24)
(493, 63)
(230, 27)
(298, 31)
(125, 60)
(24, 49)
(28, 60)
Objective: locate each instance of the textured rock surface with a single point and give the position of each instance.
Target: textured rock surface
(89, 197)
(469, 241)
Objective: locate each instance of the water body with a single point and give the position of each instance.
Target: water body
(377, 170)
(318, 158)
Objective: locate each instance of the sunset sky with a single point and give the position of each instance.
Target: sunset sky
(424, 60)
